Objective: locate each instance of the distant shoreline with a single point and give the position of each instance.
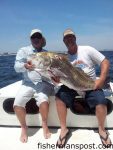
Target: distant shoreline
(10, 54)
(7, 54)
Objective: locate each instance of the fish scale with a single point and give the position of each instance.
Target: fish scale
(70, 76)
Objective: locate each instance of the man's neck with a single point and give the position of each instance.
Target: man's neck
(71, 53)
(38, 49)
(74, 51)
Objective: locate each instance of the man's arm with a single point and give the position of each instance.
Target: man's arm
(103, 74)
(21, 63)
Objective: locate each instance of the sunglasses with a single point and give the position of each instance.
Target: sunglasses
(36, 36)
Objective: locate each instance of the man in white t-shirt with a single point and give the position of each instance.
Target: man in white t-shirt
(86, 58)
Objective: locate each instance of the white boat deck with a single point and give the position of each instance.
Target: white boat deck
(10, 90)
(82, 138)
(9, 139)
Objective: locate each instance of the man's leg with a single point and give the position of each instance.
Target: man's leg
(21, 114)
(44, 109)
(97, 100)
(24, 95)
(62, 114)
(64, 98)
(101, 112)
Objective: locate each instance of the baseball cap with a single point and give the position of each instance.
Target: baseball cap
(40, 36)
(68, 32)
(35, 31)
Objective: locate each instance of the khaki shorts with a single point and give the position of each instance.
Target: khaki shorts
(40, 92)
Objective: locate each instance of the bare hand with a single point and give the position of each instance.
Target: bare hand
(56, 79)
(98, 84)
(29, 65)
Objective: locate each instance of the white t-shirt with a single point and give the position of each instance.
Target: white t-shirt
(86, 58)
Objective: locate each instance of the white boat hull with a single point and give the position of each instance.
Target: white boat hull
(73, 120)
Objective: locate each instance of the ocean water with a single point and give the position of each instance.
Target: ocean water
(8, 74)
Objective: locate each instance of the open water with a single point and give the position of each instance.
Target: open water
(8, 74)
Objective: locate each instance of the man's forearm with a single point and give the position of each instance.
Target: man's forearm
(19, 67)
(104, 69)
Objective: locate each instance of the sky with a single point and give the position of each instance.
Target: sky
(91, 20)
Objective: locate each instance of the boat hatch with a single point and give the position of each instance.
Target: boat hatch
(81, 107)
(31, 107)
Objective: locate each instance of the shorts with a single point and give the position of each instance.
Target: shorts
(93, 97)
(40, 92)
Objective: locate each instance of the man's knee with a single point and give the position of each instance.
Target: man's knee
(59, 101)
(44, 104)
(101, 108)
(18, 108)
